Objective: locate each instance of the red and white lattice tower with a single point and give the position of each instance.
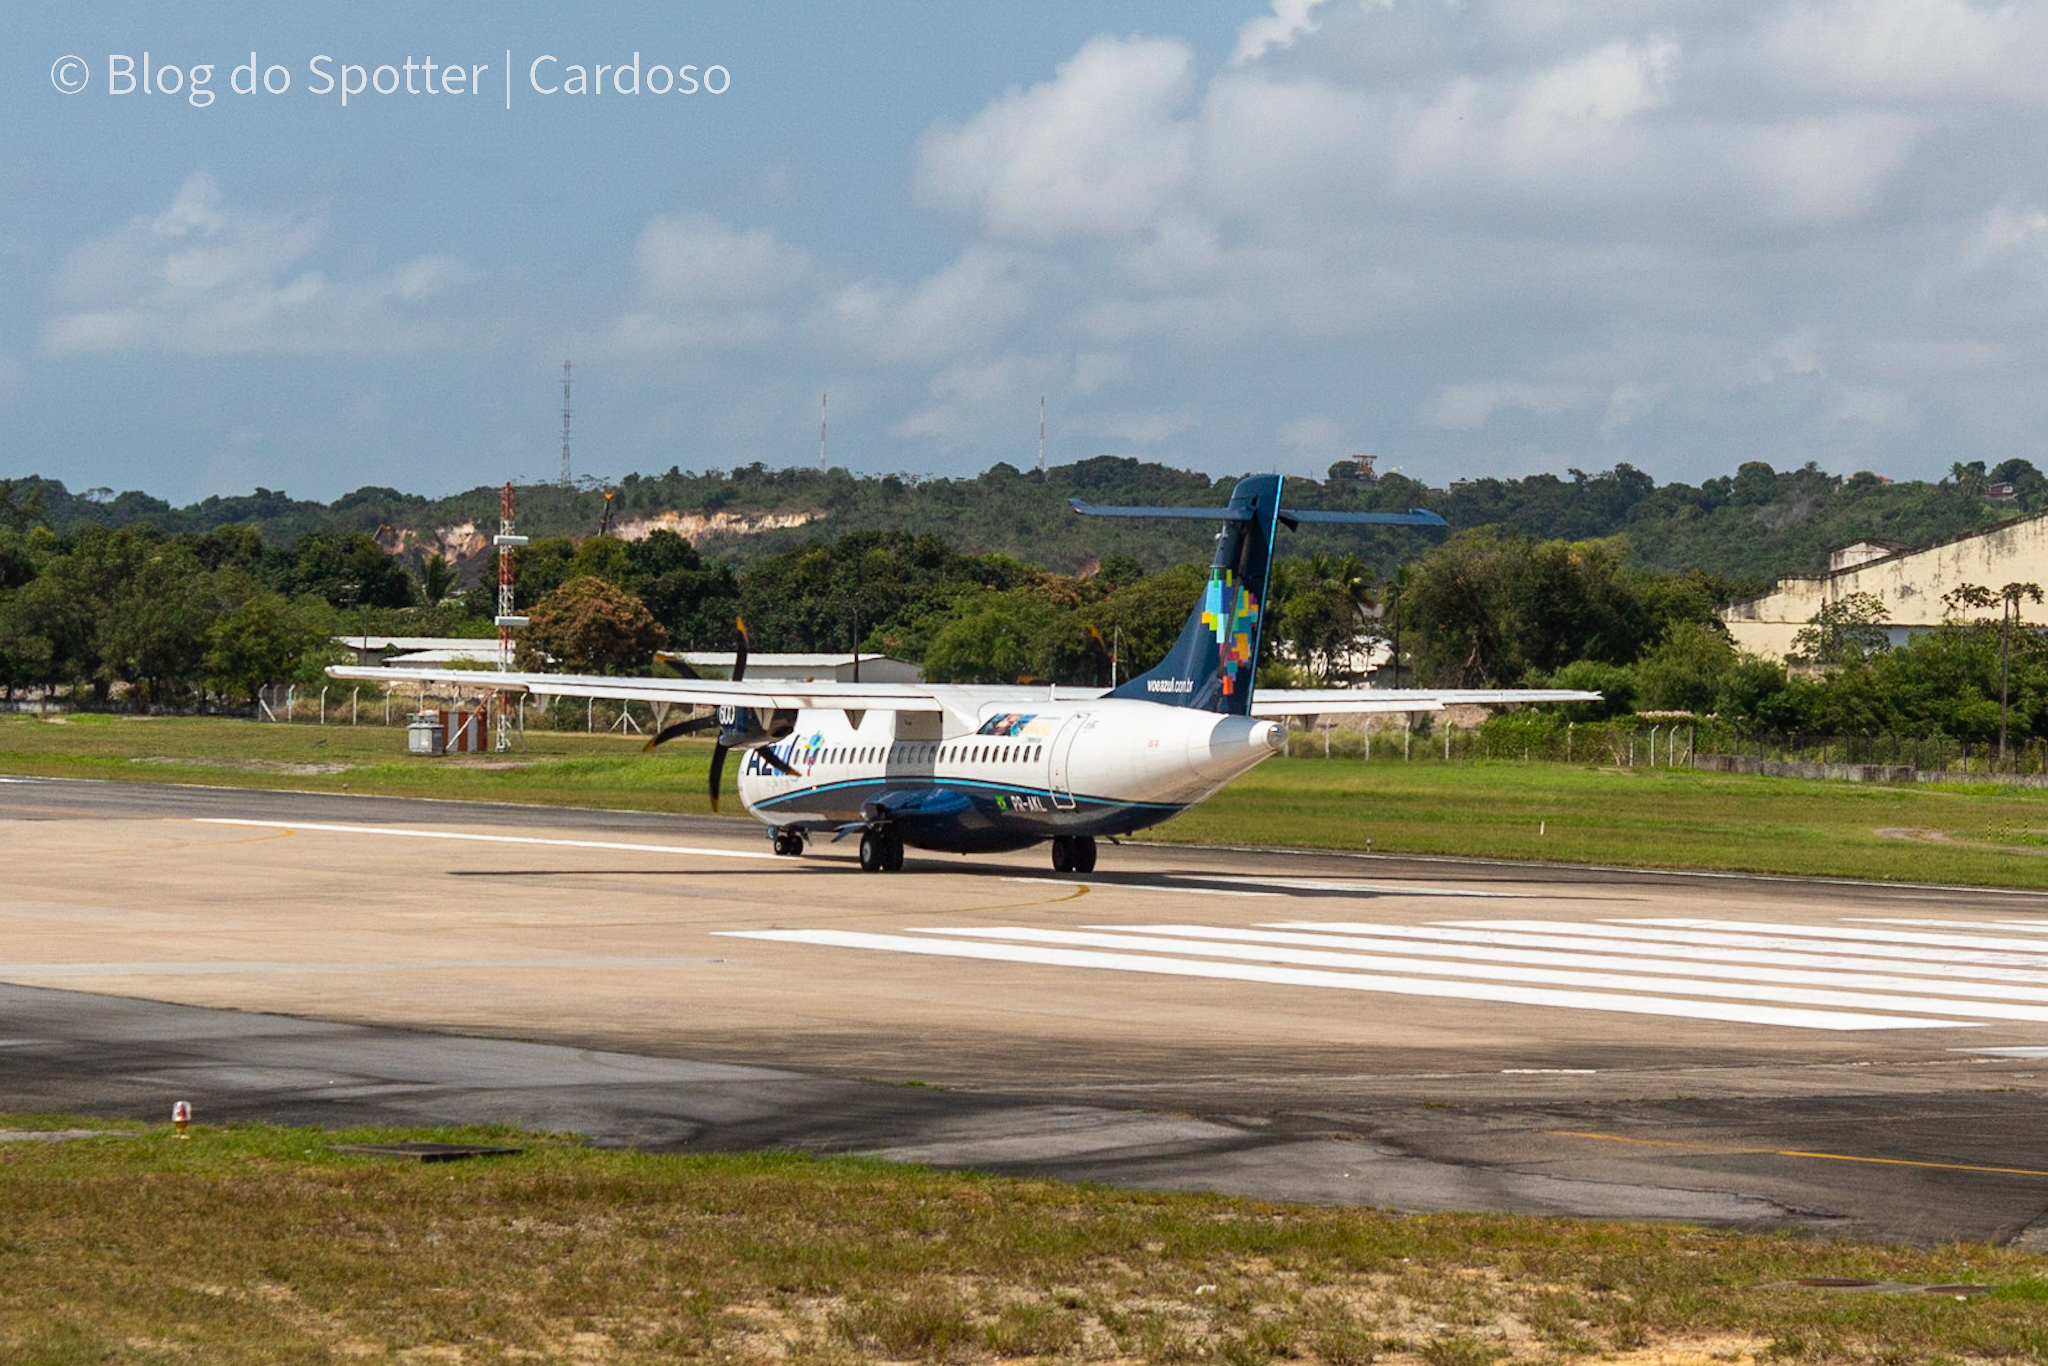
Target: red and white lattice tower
(507, 542)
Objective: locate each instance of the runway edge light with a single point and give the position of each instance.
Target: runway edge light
(181, 1117)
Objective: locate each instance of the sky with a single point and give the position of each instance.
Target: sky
(1473, 237)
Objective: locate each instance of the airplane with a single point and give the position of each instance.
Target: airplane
(980, 770)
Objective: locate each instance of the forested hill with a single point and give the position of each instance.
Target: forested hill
(1755, 524)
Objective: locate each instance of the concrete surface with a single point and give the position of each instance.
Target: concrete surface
(1406, 1033)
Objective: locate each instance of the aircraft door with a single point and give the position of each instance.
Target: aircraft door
(1060, 778)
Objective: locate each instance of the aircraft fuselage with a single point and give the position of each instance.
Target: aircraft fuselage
(1025, 773)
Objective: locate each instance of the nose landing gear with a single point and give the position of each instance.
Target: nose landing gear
(1073, 853)
(880, 852)
(788, 843)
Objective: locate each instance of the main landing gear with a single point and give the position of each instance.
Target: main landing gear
(880, 852)
(1073, 853)
(789, 843)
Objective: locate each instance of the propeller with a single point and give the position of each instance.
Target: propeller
(729, 734)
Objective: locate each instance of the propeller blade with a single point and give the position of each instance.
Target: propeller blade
(739, 659)
(680, 728)
(776, 762)
(717, 774)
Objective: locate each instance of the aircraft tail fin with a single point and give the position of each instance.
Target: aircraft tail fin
(1213, 663)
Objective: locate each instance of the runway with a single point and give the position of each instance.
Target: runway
(1419, 1034)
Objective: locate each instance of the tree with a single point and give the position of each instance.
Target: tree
(589, 626)
(1487, 610)
(350, 570)
(1848, 631)
(1320, 611)
(1687, 670)
(264, 639)
(2008, 600)
(437, 578)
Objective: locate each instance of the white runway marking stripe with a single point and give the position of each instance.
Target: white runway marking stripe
(1861, 976)
(2034, 927)
(1164, 940)
(1634, 935)
(1736, 1012)
(402, 832)
(1418, 938)
(1947, 941)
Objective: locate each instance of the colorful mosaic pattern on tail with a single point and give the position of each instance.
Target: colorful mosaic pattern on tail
(1229, 611)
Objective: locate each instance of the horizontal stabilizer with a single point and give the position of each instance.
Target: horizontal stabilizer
(1412, 517)
(1229, 514)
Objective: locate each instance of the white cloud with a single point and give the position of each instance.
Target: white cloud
(1314, 434)
(1093, 152)
(962, 307)
(997, 395)
(704, 286)
(1140, 428)
(1289, 20)
(1466, 407)
(205, 279)
(1893, 50)
(1871, 404)
(1796, 353)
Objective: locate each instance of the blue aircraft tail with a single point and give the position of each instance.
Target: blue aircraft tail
(1212, 665)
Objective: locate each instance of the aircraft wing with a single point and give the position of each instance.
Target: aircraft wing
(1351, 701)
(689, 692)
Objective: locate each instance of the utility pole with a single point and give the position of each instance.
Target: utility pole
(1041, 433)
(823, 400)
(565, 426)
(508, 541)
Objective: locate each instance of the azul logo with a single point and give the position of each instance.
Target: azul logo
(1169, 685)
(1229, 610)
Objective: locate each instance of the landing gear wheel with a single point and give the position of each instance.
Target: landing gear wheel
(789, 844)
(892, 854)
(1082, 859)
(874, 852)
(1062, 854)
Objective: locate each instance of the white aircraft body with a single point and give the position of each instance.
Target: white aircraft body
(964, 769)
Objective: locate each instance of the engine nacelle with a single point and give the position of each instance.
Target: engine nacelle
(754, 727)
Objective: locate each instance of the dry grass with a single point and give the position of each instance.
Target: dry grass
(263, 1245)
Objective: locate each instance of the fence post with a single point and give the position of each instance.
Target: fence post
(291, 695)
(590, 717)
(323, 704)
(353, 695)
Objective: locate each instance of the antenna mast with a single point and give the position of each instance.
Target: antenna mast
(1041, 433)
(823, 399)
(565, 424)
(507, 540)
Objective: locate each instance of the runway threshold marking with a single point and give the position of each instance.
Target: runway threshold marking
(1360, 944)
(1631, 975)
(402, 832)
(1794, 975)
(1735, 1012)
(1798, 1152)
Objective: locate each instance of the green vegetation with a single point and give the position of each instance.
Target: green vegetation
(258, 1244)
(1974, 834)
(1755, 524)
(1978, 834)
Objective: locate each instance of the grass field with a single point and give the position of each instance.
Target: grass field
(265, 1245)
(1980, 835)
